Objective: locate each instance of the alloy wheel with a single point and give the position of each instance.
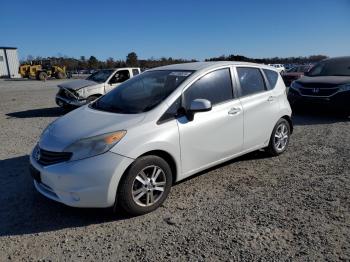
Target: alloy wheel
(281, 137)
(148, 186)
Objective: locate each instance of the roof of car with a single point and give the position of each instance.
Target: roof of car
(205, 65)
(339, 58)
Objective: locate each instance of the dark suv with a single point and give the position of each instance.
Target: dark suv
(327, 83)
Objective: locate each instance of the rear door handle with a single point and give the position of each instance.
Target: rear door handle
(234, 111)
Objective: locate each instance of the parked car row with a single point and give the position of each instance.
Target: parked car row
(295, 73)
(279, 67)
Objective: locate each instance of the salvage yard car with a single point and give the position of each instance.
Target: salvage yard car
(327, 83)
(279, 67)
(129, 146)
(80, 92)
(294, 73)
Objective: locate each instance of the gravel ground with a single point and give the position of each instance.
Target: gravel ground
(292, 207)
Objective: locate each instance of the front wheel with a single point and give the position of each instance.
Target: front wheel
(145, 186)
(279, 139)
(91, 99)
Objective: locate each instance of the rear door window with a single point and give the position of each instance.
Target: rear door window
(135, 72)
(251, 80)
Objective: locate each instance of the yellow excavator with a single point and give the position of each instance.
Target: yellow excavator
(42, 70)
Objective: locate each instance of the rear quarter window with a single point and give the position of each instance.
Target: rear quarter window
(251, 80)
(272, 77)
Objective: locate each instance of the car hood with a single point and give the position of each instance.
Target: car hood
(324, 80)
(82, 123)
(77, 84)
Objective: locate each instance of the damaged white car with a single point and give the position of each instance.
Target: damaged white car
(80, 92)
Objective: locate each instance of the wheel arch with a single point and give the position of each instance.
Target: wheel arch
(289, 119)
(167, 157)
(160, 153)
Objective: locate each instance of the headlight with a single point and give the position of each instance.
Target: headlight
(295, 85)
(343, 88)
(81, 92)
(95, 145)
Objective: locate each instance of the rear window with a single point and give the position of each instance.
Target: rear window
(272, 77)
(135, 72)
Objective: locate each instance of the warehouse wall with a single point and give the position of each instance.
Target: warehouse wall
(10, 66)
(13, 62)
(3, 66)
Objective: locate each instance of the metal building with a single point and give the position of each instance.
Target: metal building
(9, 63)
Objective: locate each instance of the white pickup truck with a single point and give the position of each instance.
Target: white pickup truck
(80, 92)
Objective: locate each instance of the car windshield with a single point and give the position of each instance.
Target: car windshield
(100, 76)
(141, 93)
(331, 68)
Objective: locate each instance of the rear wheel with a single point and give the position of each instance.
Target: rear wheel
(145, 186)
(279, 139)
(42, 76)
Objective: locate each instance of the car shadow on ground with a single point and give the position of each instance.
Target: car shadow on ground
(318, 116)
(41, 112)
(255, 155)
(24, 211)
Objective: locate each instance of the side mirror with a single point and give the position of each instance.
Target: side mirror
(200, 105)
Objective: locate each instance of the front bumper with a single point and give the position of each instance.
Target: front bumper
(63, 101)
(90, 182)
(337, 100)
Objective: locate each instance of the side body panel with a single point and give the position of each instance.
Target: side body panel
(261, 112)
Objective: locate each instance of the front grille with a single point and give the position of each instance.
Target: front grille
(318, 85)
(49, 158)
(318, 91)
(67, 93)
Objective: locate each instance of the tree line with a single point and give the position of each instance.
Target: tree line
(273, 60)
(132, 60)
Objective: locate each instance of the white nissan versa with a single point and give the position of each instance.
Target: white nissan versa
(129, 146)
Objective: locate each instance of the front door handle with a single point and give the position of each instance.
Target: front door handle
(271, 99)
(234, 111)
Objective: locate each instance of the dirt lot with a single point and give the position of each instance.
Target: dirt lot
(296, 206)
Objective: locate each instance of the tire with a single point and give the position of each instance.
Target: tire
(42, 76)
(60, 75)
(137, 187)
(278, 145)
(91, 98)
